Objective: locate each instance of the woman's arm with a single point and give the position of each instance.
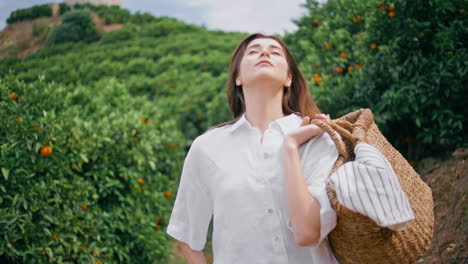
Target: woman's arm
(303, 208)
(192, 256)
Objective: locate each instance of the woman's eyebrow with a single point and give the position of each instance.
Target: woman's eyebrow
(270, 46)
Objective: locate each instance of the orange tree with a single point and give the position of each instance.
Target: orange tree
(406, 60)
(88, 174)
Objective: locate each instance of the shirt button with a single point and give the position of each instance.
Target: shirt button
(270, 210)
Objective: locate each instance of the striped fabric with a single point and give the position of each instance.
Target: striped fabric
(369, 185)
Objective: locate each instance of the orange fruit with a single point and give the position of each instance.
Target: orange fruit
(158, 227)
(339, 69)
(144, 121)
(122, 177)
(167, 194)
(343, 55)
(73, 167)
(373, 46)
(316, 21)
(54, 237)
(358, 66)
(383, 9)
(328, 46)
(46, 151)
(84, 245)
(381, 3)
(391, 14)
(350, 68)
(158, 219)
(170, 146)
(391, 8)
(14, 96)
(18, 119)
(37, 128)
(421, 35)
(141, 181)
(84, 207)
(357, 36)
(317, 78)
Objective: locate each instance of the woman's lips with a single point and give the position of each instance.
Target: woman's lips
(264, 62)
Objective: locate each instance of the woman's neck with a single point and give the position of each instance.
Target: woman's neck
(263, 105)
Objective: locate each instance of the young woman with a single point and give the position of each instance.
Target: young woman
(262, 176)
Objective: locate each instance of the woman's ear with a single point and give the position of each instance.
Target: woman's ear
(238, 82)
(289, 81)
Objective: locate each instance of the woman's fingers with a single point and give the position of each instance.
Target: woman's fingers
(305, 121)
(322, 116)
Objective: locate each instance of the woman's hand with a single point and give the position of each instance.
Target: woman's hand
(305, 132)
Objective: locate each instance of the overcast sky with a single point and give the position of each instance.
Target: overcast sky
(267, 16)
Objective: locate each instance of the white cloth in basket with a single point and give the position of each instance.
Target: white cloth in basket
(368, 185)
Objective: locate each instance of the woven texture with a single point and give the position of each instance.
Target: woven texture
(358, 239)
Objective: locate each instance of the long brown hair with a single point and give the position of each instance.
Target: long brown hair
(296, 98)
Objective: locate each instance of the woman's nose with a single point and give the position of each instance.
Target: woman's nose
(265, 52)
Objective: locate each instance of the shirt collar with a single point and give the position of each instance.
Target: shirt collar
(285, 123)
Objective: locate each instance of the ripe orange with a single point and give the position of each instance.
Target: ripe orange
(391, 8)
(54, 237)
(158, 227)
(14, 96)
(350, 68)
(84, 245)
(84, 207)
(343, 55)
(37, 128)
(358, 66)
(373, 46)
(73, 167)
(46, 151)
(158, 219)
(381, 3)
(391, 14)
(18, 119)
(144, 121)
(316, 21)
(328, 46)
(141, 181)
(167, 194)
(339, 69)
(170, 146)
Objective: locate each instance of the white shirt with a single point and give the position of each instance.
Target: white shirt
(230, 175)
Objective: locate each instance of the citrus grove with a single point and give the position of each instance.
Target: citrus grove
(95, 126)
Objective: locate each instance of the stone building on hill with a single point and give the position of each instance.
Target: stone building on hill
(95, 2)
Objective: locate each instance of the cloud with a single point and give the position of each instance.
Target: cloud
(265, 16)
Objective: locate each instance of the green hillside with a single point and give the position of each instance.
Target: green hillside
(94, 126)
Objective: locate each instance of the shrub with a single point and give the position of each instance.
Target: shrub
(77, 25)
(403, 60)
(88, 174)
(30, 13)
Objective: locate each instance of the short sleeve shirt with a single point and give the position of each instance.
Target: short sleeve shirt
(236, 178)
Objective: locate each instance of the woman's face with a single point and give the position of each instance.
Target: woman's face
(264, 60)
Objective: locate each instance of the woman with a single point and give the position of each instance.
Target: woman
(261, 176)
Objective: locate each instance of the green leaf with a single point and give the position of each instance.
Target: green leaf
(5, 173)
(83, 156)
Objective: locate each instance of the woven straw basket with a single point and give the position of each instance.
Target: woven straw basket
(356, 238)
